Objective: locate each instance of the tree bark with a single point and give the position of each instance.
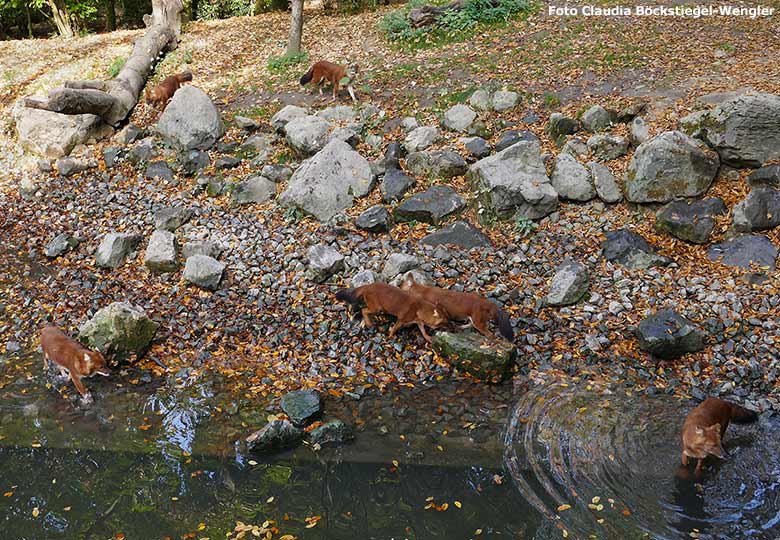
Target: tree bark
(110, 15)
(61, 18)
(29, 20)
(113, 100)
(296, 28)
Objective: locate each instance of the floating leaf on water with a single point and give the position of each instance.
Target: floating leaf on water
(458, 504)
(595, 499)
(564, 507)
(269, 500)
(477, 532)
(252, 462)
(201, 526)
(36, 512)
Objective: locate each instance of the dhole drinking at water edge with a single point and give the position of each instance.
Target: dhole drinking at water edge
(406, 307)
(705, 426)
(71, 357)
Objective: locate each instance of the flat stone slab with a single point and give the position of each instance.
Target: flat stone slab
(431, 206)
(460, 233)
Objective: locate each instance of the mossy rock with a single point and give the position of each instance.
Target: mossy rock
(489, 360)
(121, 329)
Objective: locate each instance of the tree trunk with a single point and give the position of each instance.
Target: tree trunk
(110, 15)
(61, 18)
(296, 28)
(113, 100)
(193, 10)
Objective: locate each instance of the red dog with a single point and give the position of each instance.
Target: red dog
(71, 357)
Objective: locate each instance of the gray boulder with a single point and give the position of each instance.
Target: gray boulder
(364, 277)
(193, 161)
(481, 100)
(114, 249)
(161, 252)
(431, 206)
(605, 183)
(59, 245)
(257, 147)
(768, 176)
(693, 124)
(191, 120)
(607, 147)
(142, 152)
(571, 179)
(758, 211)
(283, 116)
(307, 134)
(399, 263)
(395, 184)
(569, 284)
(201, 247)
(119, 328)
(346, 134)
(744, 252)
(459, 117)
(247, 124)
(375, 219)
(576, 147)
(203, 271)
(327, 183)
(513, 181)
(559, 126)
(301, 406)
(476, 146)
(692, 221)
(668, 335)
(170, 218)
(745, 131)
(339, 113)
(276, 436)
(504, 100)
(324, 261)
(159, 170)
(631, 250)
(276, 173)
(639, 131)
(597, 118)
(670, 165)
(489, 360)
(513, 136)
(256, 189)
(421, 138)
(460, 233)
(437, 164)
(68, 166)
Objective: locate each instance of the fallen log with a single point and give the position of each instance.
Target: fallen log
(429, 15)
(113, 100)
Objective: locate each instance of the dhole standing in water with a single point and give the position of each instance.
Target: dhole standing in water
(705, 426)
(71, 357)
(407, 308)
(160, 95)
(464, 306)
(324, 71)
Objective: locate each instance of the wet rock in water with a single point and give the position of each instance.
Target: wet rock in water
(768, 176)
(203, 271)
(324, 261)
(608, 147)
(120, 328)
(191, 120)
(459, 233)
(421, 138)
(559, 126)
(395, 184)
(364, 277)
(307, 134)
(476, 146)
(489, 360)
(670, 165)
(276, 173)
(327, 183)
(161, 253)
(571, 179)
(513, 181)
(277, 435)
(504, 100)
(513, 136)
(569, 284)
(159, 169)
(170, 218)
(331, 433)
(760, 210)
(437, 164)
(745, 251)
(597, 118)
(199, 247)
(375, 219)
(745, 131)
(287, 113)
(256, 189)
(690, 221)
(668, 335)
(60, 244)
(605, 183)
(640, 131)
(431, 206)
(193, 161)
(301, 406)
(631, 250)
(115, 248)
(459, 117)
(398, 263)
(68, 166)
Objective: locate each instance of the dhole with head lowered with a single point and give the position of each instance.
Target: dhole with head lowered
(71, 357)
(406, 307)
(705, 426)
(160, 95)
(464, 306)
(323, 71)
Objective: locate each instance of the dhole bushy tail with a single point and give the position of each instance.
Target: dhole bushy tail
(741, 415)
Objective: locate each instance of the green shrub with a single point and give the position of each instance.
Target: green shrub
(222, 9)
(525, 225)
(115, 66)
(286, 61)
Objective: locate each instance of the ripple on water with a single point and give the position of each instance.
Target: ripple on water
(606, 465)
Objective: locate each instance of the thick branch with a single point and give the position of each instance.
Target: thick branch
(73, 101)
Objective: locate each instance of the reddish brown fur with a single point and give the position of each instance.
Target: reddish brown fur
(705, 426)
(464, 306)
(160, 95)
(70, 355)
(407, 308)
(324, 71)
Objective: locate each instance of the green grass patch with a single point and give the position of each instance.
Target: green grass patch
(115, 66)
(280, 64)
